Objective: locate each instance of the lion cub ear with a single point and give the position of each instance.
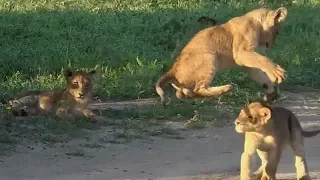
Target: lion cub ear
(68, 73)
(280, 14)
(265, 114)
(93, 72)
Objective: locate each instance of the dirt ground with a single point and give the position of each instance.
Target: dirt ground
(211, 153)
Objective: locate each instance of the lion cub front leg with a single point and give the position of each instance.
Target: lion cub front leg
(251, 59)
(64, 114)
(91, 115)
(264, 160)
(246, 158)
(62, 109)
(272, 165)
(245, 169)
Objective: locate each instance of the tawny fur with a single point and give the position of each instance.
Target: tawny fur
(65, 103)
(268, 130)
(223, 46)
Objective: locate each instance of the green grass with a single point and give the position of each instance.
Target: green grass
(134, 42)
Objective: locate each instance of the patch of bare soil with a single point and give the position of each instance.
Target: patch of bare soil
(210, 153)
(119, 105)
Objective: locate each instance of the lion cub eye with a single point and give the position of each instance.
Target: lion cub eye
(251, 119)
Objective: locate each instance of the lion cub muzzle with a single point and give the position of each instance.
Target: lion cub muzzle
(239, 127)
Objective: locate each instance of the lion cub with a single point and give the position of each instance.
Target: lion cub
(220, 47)
(65, 103)
(267, 131)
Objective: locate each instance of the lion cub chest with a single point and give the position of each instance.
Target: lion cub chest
(267, 143)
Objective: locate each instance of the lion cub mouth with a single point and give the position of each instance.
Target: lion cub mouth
(239, 128)
(81, 98)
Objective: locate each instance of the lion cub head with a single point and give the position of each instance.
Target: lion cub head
(253, 118)
(79, 84)
(270, 21)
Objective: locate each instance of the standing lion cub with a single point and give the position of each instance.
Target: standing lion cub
(223, 46)
(65, 103)
(267, 132)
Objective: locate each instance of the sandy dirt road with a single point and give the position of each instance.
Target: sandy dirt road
(211, 153)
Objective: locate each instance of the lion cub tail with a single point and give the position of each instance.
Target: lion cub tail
(163, 80)
(294, 123)
(310, 133)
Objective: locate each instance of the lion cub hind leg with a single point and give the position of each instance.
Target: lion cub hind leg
(183, 92)
(264, 160)
(201, 91)
(297, 145)
(204, 90)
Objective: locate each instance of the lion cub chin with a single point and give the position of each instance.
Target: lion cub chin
(65, 103)
(267, 131)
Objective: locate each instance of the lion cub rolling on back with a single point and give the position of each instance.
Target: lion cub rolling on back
(267, 131)
(220, 47)
(65, 103)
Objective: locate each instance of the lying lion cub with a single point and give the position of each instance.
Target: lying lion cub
(65, 103)
(267, 131)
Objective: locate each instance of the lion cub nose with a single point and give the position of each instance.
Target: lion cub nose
(81, 94)
(237, 122)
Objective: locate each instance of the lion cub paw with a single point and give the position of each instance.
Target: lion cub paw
(277, 74)
(267, 178)
(227, 88)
